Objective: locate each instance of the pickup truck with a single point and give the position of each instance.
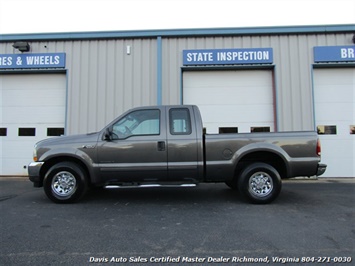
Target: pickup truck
(166, 145)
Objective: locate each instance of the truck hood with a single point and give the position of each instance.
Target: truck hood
(82, 138)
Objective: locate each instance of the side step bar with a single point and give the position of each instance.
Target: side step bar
(149, 185)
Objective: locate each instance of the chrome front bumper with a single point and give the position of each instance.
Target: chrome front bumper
(34, 169)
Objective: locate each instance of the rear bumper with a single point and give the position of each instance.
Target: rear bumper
(321, 169)
(34, 170)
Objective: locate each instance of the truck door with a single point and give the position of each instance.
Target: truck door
(182, 145)
(136, 149)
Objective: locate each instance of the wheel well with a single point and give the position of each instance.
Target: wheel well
(266, 157)
(48, 164)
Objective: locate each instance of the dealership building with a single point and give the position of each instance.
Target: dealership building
(243, 80)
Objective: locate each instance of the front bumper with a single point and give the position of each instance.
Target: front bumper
(321, 169)
(34, 170)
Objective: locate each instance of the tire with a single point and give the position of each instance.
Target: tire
(65, 182)
(233, 184)
(259, 183)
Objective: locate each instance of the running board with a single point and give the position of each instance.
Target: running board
(149, 186)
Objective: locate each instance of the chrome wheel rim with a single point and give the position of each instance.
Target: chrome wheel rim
(64, 184)
(260, 184)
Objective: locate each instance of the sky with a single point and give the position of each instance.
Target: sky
(45, 16)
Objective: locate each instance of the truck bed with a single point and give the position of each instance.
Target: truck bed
(296, 149)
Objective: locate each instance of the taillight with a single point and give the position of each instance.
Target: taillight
(319, 149)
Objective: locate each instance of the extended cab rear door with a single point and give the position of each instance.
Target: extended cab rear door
(183, 144)
(136, 150)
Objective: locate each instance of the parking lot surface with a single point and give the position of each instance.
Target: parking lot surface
(312, 222)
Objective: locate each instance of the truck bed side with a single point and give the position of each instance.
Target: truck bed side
(292, 153)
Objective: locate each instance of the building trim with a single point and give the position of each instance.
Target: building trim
(159, 71)
(32, 71)
(280, 30)
(334, 65)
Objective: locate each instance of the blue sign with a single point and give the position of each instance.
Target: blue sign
(334, 54)
(228, 56)
(50, 60)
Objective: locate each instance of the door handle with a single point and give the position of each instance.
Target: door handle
(161, 145)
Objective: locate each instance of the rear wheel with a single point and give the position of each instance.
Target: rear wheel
(259, 183)
(65, 182)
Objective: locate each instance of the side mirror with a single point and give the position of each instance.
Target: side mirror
(108, 135)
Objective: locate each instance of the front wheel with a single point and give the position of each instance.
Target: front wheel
(65, 182)
(259, 183)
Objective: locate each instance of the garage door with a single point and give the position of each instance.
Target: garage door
(232, 101)
(32, 108)
(334, 95)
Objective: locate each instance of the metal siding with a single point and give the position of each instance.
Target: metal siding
(293, 56)
(103, 80)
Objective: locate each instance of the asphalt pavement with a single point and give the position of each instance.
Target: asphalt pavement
(311, 222)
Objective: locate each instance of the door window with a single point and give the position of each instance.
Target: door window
(141, 122)
(26, 132)
(327, 129)
(180, 123)
(3, 132)
(227, 130)
(259, 129)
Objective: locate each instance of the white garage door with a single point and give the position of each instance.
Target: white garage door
(231, 101)
(334, 95)
(32, 107)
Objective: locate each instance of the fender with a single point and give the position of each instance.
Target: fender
(66, 152)
(262, 147)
